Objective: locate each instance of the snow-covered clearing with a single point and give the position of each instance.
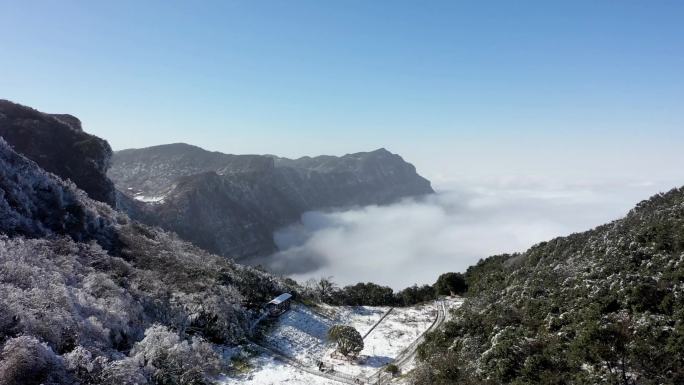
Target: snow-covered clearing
(301, 333)
(272, 372)
(362, 318)
(391, 337)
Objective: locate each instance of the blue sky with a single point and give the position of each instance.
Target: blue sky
(491, 89)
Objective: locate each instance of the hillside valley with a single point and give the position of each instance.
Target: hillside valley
(235, 192)
(91, 295)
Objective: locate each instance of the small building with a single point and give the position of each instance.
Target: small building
(279, 304)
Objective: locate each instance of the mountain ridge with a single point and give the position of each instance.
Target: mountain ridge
(58, 144)
(247, 197)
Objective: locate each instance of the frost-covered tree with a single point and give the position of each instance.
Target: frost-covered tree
(86, 367)
(26, 361)
(348, 339)
(172, 360)
(126, 371)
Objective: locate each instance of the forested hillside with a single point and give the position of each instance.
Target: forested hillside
(601, 307)
(88, 296)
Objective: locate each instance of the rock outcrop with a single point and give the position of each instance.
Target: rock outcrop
(57, 143)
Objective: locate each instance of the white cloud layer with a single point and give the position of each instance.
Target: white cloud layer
(414, 241)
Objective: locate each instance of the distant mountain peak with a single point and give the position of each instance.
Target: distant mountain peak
(231, 204)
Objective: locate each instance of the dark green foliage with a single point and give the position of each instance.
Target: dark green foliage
(368, 294)
(415, 294)
(392, 369)
(451, 283)
(487, 274)
(601, 307)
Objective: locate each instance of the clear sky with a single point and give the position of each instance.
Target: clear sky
(500, 89)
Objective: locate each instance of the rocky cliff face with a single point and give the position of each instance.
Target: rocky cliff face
(231, 204)
(59, 145)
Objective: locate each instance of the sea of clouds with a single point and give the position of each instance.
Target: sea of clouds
(415, 240)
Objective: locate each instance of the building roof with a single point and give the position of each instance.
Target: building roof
(281, 298)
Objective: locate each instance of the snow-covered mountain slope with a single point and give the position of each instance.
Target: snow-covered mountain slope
(35, 203)
(89, 296)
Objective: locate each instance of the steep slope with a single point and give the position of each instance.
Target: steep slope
(232, 216)
(231, 204)
(59, 145)
(35, 204)
(89, 296)
(601, 307)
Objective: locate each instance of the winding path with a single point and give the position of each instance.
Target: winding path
(382, 377)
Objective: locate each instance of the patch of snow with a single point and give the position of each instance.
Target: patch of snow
(362, 318)
(399, 329)
(149, 199)
(300, 333)
(268, 371)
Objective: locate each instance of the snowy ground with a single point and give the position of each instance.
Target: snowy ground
(394, 334)
(149, 199)
(301, 333)
(272, 372)
(360, 317)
